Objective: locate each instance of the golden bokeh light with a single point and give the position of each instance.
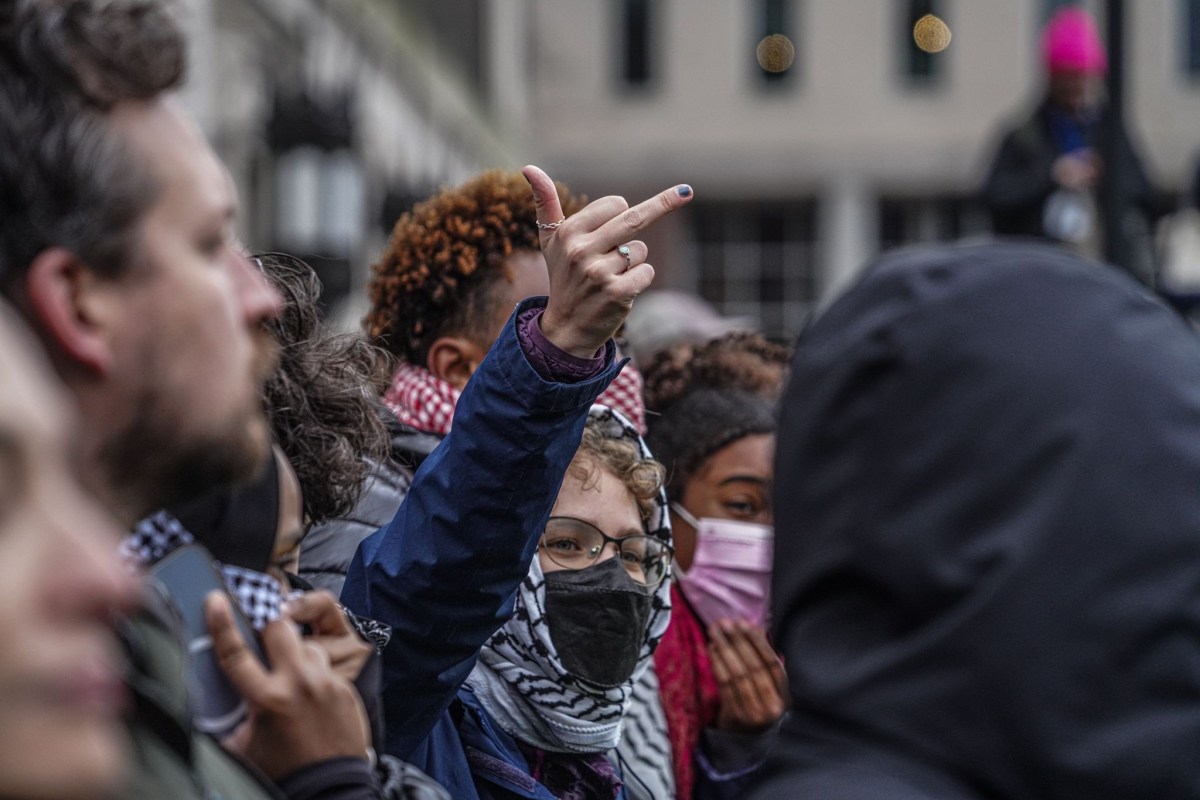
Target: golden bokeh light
(775, 53)
(931, 34)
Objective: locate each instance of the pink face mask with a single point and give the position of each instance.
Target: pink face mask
(730, 576)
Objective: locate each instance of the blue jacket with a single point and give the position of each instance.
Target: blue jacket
(444, 573)
(475, 760)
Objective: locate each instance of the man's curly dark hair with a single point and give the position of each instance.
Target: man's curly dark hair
(322, 398)
(436, 276)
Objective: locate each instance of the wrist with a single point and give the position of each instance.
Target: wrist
(565, 338)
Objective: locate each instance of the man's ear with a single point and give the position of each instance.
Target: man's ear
(454, 359)
(71, 306)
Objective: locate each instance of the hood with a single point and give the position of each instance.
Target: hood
(987, 575)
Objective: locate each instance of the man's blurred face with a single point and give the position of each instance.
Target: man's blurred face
(190, 355)
(61, 695)
(1073, 91)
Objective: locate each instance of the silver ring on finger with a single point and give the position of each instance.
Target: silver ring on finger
(549, 226)
(624, 250)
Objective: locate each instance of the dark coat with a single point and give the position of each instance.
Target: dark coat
(328, 549)
(987, 567)
(1019, 183)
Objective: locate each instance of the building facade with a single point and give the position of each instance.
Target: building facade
(333, 117)
(864, 143)
(336, 115)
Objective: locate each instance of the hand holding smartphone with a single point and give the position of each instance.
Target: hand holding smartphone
(187, 576)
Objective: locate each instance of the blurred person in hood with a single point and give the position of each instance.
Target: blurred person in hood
(987, 579)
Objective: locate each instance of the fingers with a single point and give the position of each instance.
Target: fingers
(321, 612)
(316, 657)
(347, 654)
(593, 216)
(283, 645)
(625, 226)
(747, 682)
(638, 253)
(768, 657)
(545, 197)
(239, 663)
(634, 281)
(611, 217)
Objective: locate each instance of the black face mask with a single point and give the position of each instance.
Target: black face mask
(597, 618)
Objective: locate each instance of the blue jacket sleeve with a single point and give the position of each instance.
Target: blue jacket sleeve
(445, 571)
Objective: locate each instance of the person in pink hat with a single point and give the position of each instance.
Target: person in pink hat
(1046, 176)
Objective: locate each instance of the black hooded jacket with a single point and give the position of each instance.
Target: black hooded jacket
(987, 561)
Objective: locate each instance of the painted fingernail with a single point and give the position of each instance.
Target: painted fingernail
(684, 191)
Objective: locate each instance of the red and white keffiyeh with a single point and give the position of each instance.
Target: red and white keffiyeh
(625, 395)
(421, 400)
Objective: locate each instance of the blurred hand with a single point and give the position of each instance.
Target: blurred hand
(347, 651)
(592, 287)
(299, 710)
(750, 677)
(1077, 171)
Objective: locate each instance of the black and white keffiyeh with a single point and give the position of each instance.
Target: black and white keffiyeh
(519, 678)
(160, 534)
(259, 595)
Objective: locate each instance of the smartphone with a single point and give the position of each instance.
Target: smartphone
(186, 577)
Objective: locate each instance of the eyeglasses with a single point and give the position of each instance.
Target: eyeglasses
(575, 544)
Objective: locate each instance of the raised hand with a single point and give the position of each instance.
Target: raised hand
(749, 675)
(592, 284)
(299, 710)
(1077, 171)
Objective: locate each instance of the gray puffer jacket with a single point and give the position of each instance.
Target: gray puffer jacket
(328, 548)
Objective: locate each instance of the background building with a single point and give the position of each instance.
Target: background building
(333, 112)
(864, 143)
(334, 117)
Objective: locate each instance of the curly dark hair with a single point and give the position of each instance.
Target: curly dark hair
(436, 276)
(741, 360)
(322, 398)
(67, 177)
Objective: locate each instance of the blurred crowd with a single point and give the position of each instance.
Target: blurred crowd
(542, 532)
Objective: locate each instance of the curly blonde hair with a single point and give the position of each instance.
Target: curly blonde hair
(643, 477)
(436, 276)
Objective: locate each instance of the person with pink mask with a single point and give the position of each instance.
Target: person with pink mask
(1046, 176)
(721, 682)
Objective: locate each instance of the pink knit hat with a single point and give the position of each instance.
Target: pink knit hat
(1070, 42)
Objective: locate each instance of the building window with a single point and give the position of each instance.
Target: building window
(758, 260)
(919, 67)
(318, 186)
(940, 218)
(775, 47)
(1096, 8)
(1191, 38)
(637, 29)
(1050, 6)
